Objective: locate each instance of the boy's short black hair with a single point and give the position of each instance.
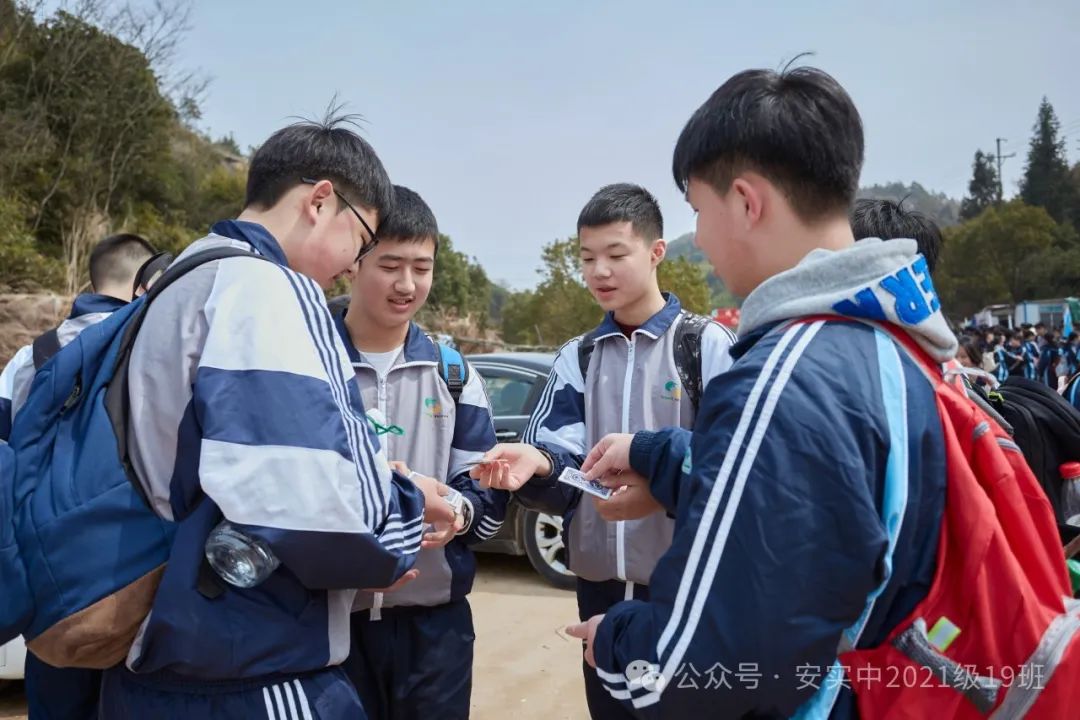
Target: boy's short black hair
(324, 150)
(798, 128)
(888, 220)
(624, 202)
(1028, 335)
(116, 259)
(411, 221)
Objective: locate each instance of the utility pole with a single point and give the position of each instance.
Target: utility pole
(1000, 158)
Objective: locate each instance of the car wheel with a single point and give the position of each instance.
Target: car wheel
(546, 550)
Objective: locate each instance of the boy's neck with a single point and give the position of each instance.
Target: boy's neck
(833, 233)
(638, 312)
(368, 337)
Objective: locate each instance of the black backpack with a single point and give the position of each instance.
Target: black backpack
(687, 353)
(1047, 430)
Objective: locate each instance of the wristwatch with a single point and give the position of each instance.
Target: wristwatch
(462, 508)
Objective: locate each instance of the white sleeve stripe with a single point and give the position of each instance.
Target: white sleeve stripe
(611, 677)
(323, 334)
(543, 409)
(269, 704)
(400, 535)
(332, 340)
(310, 316)
(744, 457)
(395, 524)
(305, 709)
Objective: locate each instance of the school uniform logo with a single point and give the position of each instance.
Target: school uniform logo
(433, 408)
(672, 391)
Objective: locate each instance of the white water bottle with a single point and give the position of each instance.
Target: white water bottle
(1070, 496)
(240, 560)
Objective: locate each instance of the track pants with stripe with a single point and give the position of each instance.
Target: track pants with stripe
(60, 693)
(414, 663)
(596, 598)
(323, 695)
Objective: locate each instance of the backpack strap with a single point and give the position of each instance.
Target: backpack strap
(688, 354)
(453, 370)
(156, 265)
(585, 351)
(117, 397)
(45, 346)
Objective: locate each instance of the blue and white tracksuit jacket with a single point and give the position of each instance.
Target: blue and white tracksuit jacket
(439, 438)
(632, 384)
(243, 406)
(779, 494)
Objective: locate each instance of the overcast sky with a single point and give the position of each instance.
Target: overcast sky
(506, 116)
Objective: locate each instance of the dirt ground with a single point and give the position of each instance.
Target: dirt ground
(526, 667)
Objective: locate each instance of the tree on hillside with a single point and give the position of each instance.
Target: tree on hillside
(683, 247)
(93, 134)
(1046, 175)
(983, 189)
(997, 257)
(559, 308)
(461, 287)
(687, 280)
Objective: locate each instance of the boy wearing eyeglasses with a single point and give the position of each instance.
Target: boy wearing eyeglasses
(243, 408)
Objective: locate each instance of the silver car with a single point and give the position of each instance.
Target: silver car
(514, 383)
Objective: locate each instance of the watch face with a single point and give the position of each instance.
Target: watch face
(455, 500)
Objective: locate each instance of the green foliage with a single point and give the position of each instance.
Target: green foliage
(683, 247)
(90, 142)
(1046, 182)
(461, 287)
(983, 189)
(560, 308)
(23, 267)
(1000, 256)
(688, 281)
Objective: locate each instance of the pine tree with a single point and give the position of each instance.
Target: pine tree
(983, 188)
(1046, 180)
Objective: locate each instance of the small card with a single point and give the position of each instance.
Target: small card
(576, 478)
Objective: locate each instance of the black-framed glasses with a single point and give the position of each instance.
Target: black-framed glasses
(365, 248)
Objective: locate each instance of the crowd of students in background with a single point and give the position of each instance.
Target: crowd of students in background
(1035, 352)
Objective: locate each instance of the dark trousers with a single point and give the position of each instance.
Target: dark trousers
(414, 663)
(323, 695)
(60, 693)
(596, 598)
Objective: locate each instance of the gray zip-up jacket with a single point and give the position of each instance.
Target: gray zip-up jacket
(437, 438)
(632, 384)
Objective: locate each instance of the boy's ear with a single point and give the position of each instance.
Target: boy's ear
(751, 197)
(315, 197)
(658, 251)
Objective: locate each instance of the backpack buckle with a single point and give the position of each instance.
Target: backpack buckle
(73, 398)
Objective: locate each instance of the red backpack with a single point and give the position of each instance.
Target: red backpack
(997, 633)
